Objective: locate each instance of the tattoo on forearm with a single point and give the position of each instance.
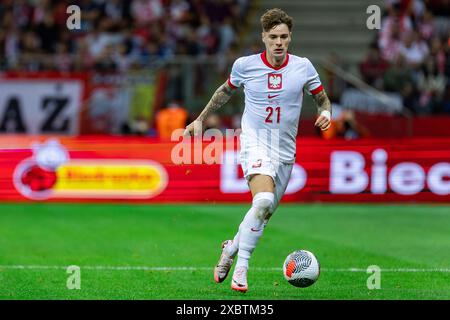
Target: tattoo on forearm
(322, 101)
(219, 98)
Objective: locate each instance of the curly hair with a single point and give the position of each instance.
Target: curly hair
(274, 17)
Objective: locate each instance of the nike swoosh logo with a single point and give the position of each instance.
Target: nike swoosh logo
(255, 230)
(270, 97)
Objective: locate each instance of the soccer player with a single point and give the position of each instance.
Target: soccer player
(273, 83)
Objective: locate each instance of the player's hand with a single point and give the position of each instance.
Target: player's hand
(194, 129)
(323, 121)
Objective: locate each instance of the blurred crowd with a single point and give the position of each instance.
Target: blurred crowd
(411, 55)
(114, 35)
(409, 58)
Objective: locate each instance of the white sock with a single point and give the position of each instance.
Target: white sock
(252, 227)
(232, 249)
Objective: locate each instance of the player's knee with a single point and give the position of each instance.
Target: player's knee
(263, 203)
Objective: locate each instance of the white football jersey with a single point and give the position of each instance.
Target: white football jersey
(273, 102)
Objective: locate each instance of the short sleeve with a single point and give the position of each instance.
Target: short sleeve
(312, 85)
(236, 77)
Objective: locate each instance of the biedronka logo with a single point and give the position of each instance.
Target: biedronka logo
(50, 173)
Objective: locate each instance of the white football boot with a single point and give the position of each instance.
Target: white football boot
(239, 280)
(224, 265)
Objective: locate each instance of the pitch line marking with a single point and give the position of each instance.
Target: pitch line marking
(148, 268)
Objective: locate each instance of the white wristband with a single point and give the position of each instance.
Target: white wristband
(326, 114)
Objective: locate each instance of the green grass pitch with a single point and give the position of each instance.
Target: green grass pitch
(168, 251)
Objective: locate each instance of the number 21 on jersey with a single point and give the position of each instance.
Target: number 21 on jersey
(270, 114)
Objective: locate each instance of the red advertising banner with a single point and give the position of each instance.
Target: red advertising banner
(136, 169)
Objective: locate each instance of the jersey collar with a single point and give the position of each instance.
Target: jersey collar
(267, 63)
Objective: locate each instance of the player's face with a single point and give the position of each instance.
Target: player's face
(277, 41)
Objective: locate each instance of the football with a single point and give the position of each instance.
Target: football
(301, 268)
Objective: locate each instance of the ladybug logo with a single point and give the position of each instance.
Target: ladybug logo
(36, 176)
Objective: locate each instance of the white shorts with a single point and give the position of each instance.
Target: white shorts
(280, 173)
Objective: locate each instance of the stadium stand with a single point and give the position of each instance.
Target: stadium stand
(140, 55)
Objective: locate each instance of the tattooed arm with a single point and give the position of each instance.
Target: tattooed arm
(219, 98)
(323, 109)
